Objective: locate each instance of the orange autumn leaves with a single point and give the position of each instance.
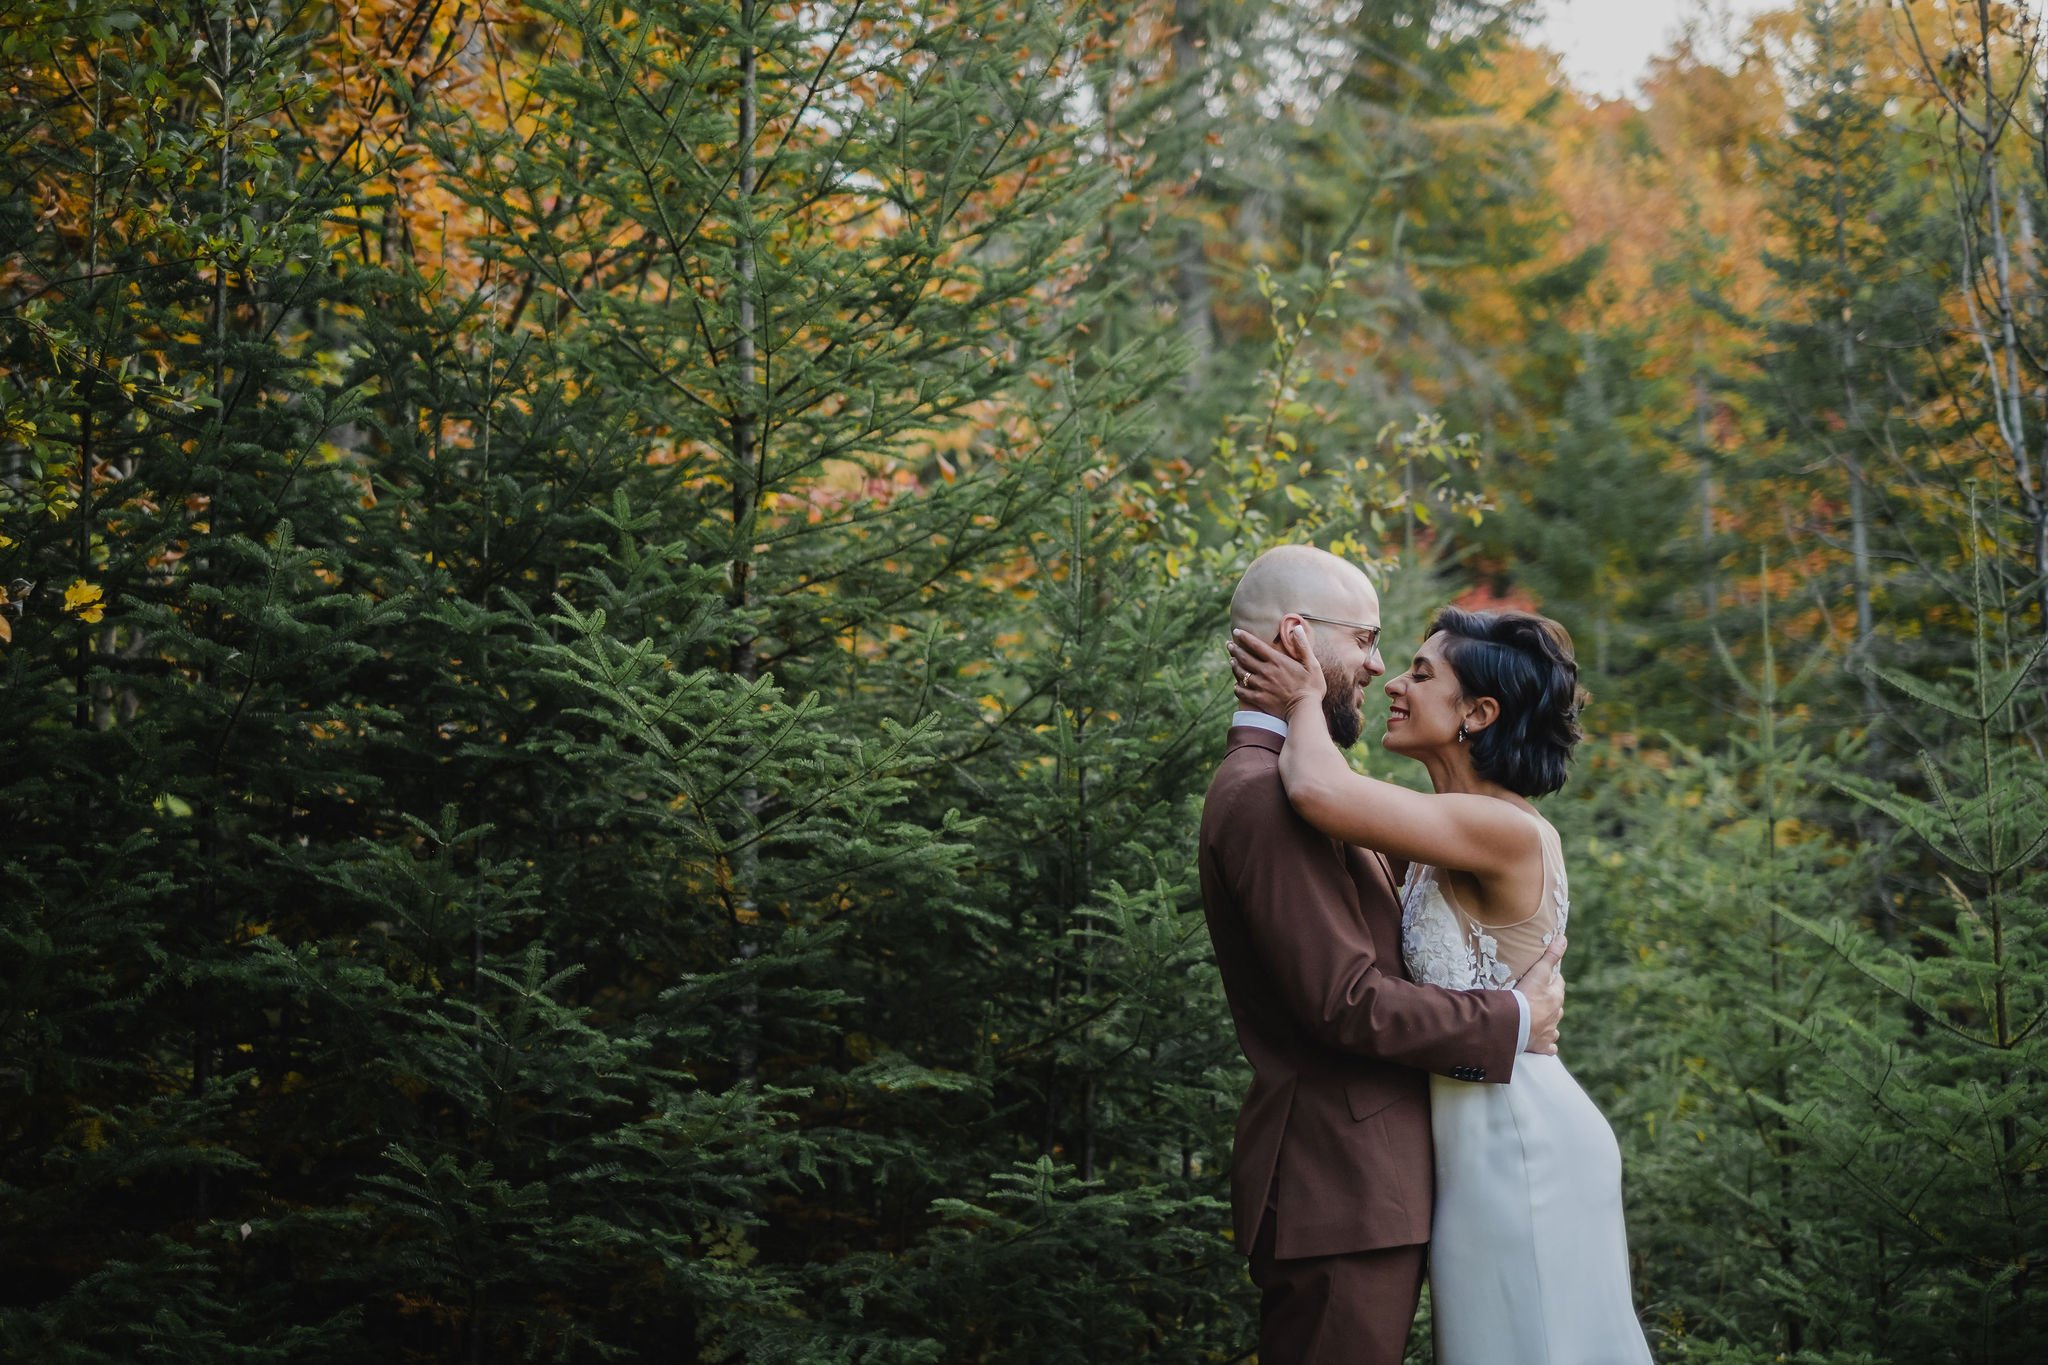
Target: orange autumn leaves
(439, 108)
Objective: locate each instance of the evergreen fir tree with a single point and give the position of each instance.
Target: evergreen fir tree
(1840, 376)
(174, 635)
(1698, 983)
(1933, 1121)
(555, 982)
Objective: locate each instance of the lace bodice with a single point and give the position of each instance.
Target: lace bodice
(1444, 946)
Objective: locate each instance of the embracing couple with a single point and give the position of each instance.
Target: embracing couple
(1390, 957)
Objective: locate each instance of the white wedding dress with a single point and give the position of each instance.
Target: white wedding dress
(1528, 1263)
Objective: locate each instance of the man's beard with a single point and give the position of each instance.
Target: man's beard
(1341, 710)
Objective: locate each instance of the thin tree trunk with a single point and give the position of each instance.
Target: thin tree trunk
(2007, 391)
(1083, 884)
(1852, 415)
(1710, 586)
(208, 823)
(1850, 459)
(749, 474)
(1190, 268)
(87, 464)
(1775, 932)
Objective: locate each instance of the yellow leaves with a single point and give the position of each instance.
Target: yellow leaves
(730, 1244)
(86, 601)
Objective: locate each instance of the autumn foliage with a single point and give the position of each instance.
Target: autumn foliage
(608, 629)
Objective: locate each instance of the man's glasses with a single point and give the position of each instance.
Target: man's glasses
(1369, 635)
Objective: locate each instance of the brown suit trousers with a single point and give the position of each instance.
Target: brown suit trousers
(1333, 1154)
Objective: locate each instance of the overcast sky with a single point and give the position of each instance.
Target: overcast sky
(1607, 44)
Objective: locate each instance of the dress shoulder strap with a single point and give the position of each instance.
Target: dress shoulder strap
(1552, 896)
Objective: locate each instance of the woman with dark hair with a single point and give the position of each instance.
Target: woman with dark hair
(1529, 1256)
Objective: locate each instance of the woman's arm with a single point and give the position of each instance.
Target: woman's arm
(1476, 834)
(1472, 833)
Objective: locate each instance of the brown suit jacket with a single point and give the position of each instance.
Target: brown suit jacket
(1307, 933)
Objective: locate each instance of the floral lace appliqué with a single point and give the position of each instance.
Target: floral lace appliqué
(1440, 947)
(1446, 948)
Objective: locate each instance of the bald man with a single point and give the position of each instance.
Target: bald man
(1332, 1175)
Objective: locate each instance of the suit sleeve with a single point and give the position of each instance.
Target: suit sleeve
(1300, 907)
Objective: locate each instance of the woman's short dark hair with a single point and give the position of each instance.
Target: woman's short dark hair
(1525, 663)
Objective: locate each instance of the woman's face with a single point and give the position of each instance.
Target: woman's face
(1426, 707)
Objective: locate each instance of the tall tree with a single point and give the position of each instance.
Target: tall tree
(1981, 63)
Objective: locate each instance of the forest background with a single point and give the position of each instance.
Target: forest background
(611, 645)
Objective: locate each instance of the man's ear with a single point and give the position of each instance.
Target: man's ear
(1485, 711)
(1291, 623)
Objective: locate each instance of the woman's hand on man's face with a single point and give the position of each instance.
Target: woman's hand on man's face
(1272, 679)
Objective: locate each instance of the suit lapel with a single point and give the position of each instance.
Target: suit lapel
(1379, 896)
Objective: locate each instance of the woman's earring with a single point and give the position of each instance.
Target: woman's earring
(1461, 732)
